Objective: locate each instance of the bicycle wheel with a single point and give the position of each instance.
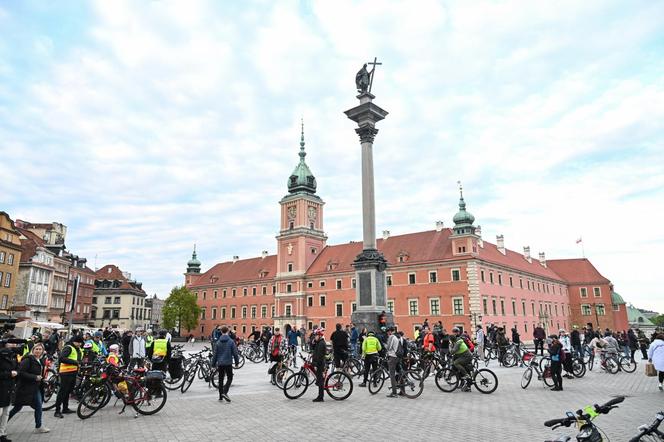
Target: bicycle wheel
(149, 399)
(241, 362)
(51, 393)
(591, 362)
(214, 378)
(447, 380)
(627, 365)
(338, 385)
(282, 375)
(485, 381)
(412, 386)
(376, 381)
(173, 384)
(510, 360)
(354, 367)
(547, 377)
(295, 385)
(527, 376)
(544, 363)
(578, 368)
(93, 399)
(189, 377)
(612, 365)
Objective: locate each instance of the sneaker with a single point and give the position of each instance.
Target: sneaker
(58, 415)
(363, 384)
(226, 398)
(41, 430)
(392, 395)
(221, 398)
(661, 387)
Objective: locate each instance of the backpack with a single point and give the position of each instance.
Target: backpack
(277, 345)
(469, 344)
(400, 349)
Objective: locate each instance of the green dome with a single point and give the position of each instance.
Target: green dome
(616, 298)
(463, 217)
(302, 180)
(194, 265)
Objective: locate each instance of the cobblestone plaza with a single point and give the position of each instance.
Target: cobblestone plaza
(259, 411)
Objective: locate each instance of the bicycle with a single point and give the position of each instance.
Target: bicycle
(543, 372)
(408, 381)
(483, 379)
(200, 365)
(588, 432)
(337, 384)
(651, 431)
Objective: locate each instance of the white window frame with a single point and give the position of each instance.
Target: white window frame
(417, 307)
(435, 276)
(336, 311)
(321, 283)
(339, 284)
(353, 307)
(310, 301)
(414, 278)
(431, 312)
(586, 310)
(390, 305)
(288, 309)
(452, 275)
(322, 301)
(463, 308)
(581, 292)
(597, 290)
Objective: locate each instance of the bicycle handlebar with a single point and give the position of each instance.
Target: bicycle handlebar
(564, 421)
(602, 409)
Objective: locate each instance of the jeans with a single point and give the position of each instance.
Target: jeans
(4, 417)
(556, 370)
(227, 372)
(392, 367)
(67, 384)
(37, 405)
(353, 349)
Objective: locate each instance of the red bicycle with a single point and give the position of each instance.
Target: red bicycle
(337, 384)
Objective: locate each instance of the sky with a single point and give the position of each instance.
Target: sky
(148, 126)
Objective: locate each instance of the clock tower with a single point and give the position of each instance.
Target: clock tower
(301, 238)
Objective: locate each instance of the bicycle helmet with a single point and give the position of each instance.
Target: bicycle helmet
(455, 330)
(87, 345)
(114, 348)
(319, 331)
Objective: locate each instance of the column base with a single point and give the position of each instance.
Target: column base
(369, 319)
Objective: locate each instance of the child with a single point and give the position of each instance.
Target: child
(113, 358)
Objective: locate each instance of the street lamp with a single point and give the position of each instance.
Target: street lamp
(474, 317)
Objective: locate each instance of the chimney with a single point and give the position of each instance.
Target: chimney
(500, 243)
(264, 254)
(526, 254)
(439, 226)
(478, 232)
(542, 259)
(235, 258)
(386, 234)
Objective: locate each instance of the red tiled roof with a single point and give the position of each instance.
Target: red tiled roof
(29, 244)
(116, 274)
(419, 247)
(577, 270)
(516, 261)
(241, 270)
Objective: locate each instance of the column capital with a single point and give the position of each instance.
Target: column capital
(367, 133)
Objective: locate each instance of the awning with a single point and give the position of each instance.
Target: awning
(32, 324)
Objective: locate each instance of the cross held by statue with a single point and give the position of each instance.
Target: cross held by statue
(373, 69)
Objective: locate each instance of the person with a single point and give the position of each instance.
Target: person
(225, 352)
(416, 335)
(216, 334)
(254, 336)
(597, 345)
(161, 352)
(98, 345)
(277, 349)
(354, 336)
(566, 342)
(70, 359)
(643, 343)
(656, 357)
(370, 348)
(360, 339)
(339, 346)
(425, 324)
(137, 349)
(303, 339)
(575, 341)
(633, 343)
(318, 360)
(538, 337)
(392, 359)
(382, 319)
(169, 337)
(461, 358)
(444, 344)
(479, 342)
(50, 341)
(612, 346)
(293, 334)
(149, 343)
(8, 373)
(557, 355)
(266, 336)
(126, 340)
(501, 341)
(113, 357)
(429, 341)
(30, 386)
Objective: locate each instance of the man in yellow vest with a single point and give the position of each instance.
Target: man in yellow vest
(70, 359)
(149, 342)
(370, 348)
(161, 352)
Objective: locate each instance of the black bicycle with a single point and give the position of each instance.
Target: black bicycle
(484, 380)
(650, 432)
(588, 432)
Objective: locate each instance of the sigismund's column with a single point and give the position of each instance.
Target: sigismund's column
(369, 265)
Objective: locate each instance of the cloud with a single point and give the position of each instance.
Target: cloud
(148, 127)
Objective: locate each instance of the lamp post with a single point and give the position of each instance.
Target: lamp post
(474, 317)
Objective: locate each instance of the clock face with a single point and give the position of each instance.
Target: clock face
(312, 213)
(291, 212)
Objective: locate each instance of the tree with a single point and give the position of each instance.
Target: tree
(658, 320)
(180, 309)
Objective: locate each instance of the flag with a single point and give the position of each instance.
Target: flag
(579, 240)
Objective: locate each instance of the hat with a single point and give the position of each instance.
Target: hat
(77, 338)
(98, 334)
(114, 347)
(319, 331)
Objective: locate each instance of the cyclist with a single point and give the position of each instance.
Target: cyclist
(70, 359)
(339, 346)
(612, 346)
(370, 348)
(113, 357)
(461, 358)
(319, 351)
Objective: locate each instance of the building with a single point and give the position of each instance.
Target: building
(154, 306)
(83, 305)
(33, 289)
(446, 274)
(10, 256)
(118, 301)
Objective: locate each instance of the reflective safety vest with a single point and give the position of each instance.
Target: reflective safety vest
(371, 345)
(113, 359)
(75, 355)
(95, 347)
(149, 340)
(462, 347)
(25, 351)
(160, 347)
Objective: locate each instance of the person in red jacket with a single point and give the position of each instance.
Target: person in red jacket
(429, 342)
